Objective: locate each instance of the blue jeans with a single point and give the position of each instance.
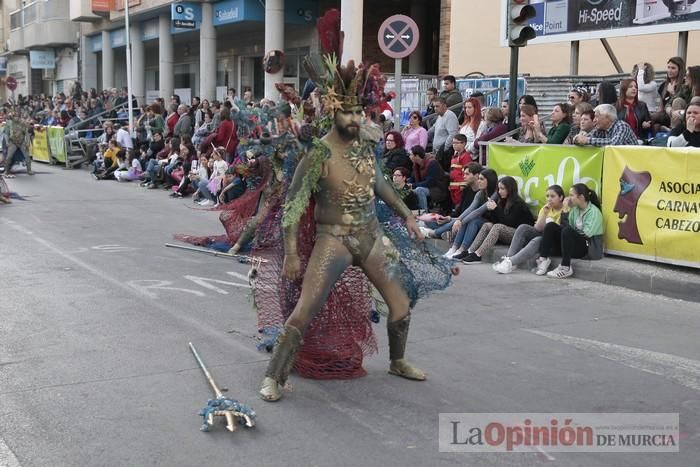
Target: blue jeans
(467, 233)
(204, 190)
(422, 193)
(444, 228)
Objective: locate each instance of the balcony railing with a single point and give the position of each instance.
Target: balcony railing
(39, 10)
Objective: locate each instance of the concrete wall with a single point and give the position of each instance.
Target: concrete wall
(475, 47)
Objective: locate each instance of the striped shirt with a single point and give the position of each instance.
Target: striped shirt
(619, 134)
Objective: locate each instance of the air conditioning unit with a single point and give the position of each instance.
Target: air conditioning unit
(48, 74)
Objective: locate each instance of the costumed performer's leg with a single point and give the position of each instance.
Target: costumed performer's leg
(377, 269)
(27, 159)
(328, 261)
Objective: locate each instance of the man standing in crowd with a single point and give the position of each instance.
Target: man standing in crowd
(446, 126)
(691, 134)
(609, 131)
(450, 92)
(183, 127)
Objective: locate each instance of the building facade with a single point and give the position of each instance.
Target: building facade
(203, 48)
(40, 46)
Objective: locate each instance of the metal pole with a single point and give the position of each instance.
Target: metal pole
(513, 88)
(683, 45)
(128, 70)
(611, 54)
(397, 105)
(573, 61)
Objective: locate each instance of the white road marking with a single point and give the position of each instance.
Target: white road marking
(190, 320)
(681, 370)
(147, 285)
(206, 283)
(7, 457)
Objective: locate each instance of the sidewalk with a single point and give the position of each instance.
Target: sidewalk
(661, 279)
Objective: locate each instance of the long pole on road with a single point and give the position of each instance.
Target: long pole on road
(513, 88)
(128, 69)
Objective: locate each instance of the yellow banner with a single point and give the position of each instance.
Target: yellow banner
(40, 145)
(651, 203)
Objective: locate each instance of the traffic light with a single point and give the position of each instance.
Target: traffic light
(519, 30)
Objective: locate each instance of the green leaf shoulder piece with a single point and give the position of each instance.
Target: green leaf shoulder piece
(296, 205)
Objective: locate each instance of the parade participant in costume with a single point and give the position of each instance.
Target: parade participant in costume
(18, 137)
(342, 177)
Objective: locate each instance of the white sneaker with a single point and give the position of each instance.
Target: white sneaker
(207, 203)
(561, 272)
(504, 267)
(542, 266)
(449, 253)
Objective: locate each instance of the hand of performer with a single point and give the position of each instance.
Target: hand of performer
(413, 229)
(291, 268)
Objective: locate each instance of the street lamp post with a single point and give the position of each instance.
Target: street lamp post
(128, 69)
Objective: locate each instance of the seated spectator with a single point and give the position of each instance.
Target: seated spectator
(409, 198)
(607, 94)
(110, 162)
(579, 236)
(579, 110)
(494, 127)
(647, 87)
(561, 125)
(471, 188)
(428, 180)
(432, 93)
(460, 159)
(155, 168)
(503, 217)
(577, 96)
(631, 110)
(673, 87)
(199, 172)
(442, 132)
(472, 125)
(171, 120)
(414, 134)
(609, 131)
(692, 81)
(133, 170)
(394, 153)
(529, 120)
(234, 184)
(204, 129)
(529, 100)
(691, 134)
(526, 240)
(225, 135)
(450, 93)
(467, 225)
(183, 127)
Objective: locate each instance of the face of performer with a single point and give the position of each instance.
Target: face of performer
(348, 122)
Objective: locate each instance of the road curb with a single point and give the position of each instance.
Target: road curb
(660, 279)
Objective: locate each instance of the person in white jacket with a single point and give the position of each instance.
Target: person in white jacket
(647, 87)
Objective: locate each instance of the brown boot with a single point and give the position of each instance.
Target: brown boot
(286, 347)
(398, 335)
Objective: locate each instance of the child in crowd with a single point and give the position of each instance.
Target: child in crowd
(460, 159)
(580, 234)
(503, 216)
(527, 239)
(110, 162)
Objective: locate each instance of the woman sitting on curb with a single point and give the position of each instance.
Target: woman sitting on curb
(527, 239)
(467, 225)
(580, 234)
(504, 216)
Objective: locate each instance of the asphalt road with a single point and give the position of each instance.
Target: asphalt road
(96, 314)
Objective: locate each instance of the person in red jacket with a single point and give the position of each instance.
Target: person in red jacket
(460, 159)
(226, 135)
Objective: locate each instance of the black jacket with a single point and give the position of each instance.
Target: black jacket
(519, 213)
(641, 112)
(397, 158)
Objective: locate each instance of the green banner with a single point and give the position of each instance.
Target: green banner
(536, 167)
(57, 143)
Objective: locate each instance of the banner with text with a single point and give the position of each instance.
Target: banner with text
(572, 20)
(57, 142)
(651, 200)
(536, 167)
(40, 145)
